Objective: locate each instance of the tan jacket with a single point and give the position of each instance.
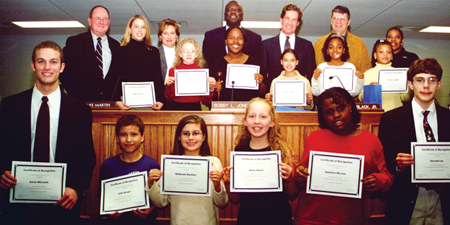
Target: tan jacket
(359, 55)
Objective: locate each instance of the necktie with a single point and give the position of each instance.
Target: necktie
(42, 137)
(426, 127)
(287, 45)
(99, 53)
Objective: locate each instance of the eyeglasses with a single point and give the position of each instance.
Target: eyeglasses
(340, 18)
(98, 19)
(431, 80)
(188, 134)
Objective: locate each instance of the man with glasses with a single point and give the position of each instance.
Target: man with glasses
(421, 120)
(89, 60)
(340, 23)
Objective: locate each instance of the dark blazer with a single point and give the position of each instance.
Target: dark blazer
(82, 78)
(214, 44)
(162, 56)
(396, 134)
(270, 55)
(74, 144)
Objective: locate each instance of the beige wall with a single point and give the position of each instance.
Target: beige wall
(16, 74)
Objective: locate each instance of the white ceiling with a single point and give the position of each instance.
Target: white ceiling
(370, 18)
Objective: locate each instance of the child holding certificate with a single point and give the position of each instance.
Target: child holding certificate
(339, 118)
(188, 56)
(130, 137)
(335, 52)
(260, 132)
(422, 120)
(289, 60)
(191, 139)
(381, 59)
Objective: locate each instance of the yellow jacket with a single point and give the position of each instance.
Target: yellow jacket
(359, 55)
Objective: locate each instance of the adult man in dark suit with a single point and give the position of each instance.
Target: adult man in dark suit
(421, 120)
(87, 76)
(214, 43)
(272, 48)
(68, 140)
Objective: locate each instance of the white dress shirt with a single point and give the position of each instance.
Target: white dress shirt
(106, 53)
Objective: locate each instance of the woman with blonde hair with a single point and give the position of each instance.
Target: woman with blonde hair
(168, 33)
(139, 60)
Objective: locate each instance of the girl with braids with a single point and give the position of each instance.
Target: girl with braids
(261, 132)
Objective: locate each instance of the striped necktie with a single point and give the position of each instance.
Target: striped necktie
(99, 53)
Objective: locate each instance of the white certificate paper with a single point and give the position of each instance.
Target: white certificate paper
(393, 80)
(431, 162)
(346, 75)
(184, 175)
(242, 75)
(255, 171)
(38, 182)
(335, 174)
(289, 93)
(138, 94)
(191, 82)
(124, 193)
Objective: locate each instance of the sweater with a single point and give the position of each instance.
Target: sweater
(404, 59)
(140, 63)
(321, 209)
(316, 85)
(187, 209)
(170, 89)
(298, 76)
(389, 100)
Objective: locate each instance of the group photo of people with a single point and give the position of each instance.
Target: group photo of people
(55, 169)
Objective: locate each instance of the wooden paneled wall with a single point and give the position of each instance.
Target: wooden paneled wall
(222, 128)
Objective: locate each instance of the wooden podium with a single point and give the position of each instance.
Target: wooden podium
(222, 128)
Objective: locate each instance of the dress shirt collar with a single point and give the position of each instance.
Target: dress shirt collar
(54, 98)
(283, 40)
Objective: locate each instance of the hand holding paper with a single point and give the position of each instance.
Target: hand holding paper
(370, 183)
(8, 181)
(153, 175)
(404, 160)
(301, 174)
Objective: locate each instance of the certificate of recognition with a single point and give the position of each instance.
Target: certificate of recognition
(255, 171)
(335, 174)
(38, 182)
(124, 193)
(242, 75)
(431, 162)
(191, 82)
(393, 80)
(289, 93)
(184, 175)
(332, 75)
(138, 94)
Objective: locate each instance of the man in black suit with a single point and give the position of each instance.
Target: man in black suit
(85, 77)
(214, 43)
(272, 48)
(421, 120)
(68, 140)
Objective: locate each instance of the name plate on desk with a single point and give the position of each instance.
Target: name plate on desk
(218, 106)
(369, 107)
(101, 105)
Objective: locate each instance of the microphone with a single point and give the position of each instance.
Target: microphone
(115, 87)
(331, 77)
(232, 89)
(219, 78)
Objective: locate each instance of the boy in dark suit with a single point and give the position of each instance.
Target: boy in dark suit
(43, 124)
(421, 120)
